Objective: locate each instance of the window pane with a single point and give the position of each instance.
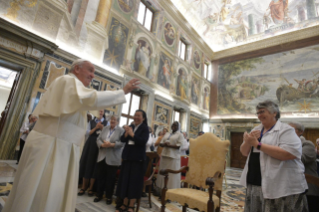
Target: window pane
(205, 71)
(141, 13)
(179, 48)
(183, 51)
(209, 73)
(125, 106)
(135, 104)
(123, 121)
(130, 121)
(177, 115)
(148, 19)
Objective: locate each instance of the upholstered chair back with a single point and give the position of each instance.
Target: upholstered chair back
(207, 156)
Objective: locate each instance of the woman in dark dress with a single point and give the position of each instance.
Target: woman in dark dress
(90, 153)
(130, 183)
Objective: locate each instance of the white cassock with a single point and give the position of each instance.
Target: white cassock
(47, 176)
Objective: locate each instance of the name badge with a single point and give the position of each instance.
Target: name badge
(256, 150)
(130, 142)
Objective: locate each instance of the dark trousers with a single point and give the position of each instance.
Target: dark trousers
(313, 203)
(22, 142)
(106, 176)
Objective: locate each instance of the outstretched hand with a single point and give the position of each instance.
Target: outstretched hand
(131, 85)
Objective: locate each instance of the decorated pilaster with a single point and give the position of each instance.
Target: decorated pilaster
(97, 35)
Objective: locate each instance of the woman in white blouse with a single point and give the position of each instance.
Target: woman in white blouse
(274, 173)
(171, 157)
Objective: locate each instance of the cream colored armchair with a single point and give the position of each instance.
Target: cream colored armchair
(205, 170)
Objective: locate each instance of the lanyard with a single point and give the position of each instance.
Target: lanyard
(111, 132)
(262, 133)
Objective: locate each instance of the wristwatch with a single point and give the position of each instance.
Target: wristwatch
(258, 146)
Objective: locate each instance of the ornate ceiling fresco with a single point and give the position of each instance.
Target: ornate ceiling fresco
(225, 24)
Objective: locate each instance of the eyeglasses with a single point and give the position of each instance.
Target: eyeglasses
(260, 112)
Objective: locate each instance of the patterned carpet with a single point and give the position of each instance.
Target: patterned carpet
(233, 194)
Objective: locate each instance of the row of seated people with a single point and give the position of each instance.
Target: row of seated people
(109, 148)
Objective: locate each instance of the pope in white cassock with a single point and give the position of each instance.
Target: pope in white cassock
(47, 176)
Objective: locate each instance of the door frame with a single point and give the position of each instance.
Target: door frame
(21, 51)
(28, 69)
(241, 128)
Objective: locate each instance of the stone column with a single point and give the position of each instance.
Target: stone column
(103, 12)
(252, 26)
(311, 9)
(97, 35)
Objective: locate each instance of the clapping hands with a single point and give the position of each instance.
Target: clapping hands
(106, 144)
(251, 138)
(99, 125)
(128, 130)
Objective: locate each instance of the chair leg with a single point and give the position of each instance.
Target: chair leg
(163, 199)
(149, 195)
(138, 201)
(210, 207)
(184, 208)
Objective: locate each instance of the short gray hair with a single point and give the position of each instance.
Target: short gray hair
(116, 117)
(78, 62)
(271, 106)
(298, 126)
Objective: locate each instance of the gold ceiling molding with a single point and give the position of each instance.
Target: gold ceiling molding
(284, 39)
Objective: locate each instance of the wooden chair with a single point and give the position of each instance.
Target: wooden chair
(205, 170)
(148, 177)
(184, 162)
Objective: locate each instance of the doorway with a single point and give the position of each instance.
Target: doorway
(8, 84)
(237, 160)
(311, 134)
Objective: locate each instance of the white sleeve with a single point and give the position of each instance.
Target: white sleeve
(67, 95)
(23, 127)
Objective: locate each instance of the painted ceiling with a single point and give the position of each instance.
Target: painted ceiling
(224, 24)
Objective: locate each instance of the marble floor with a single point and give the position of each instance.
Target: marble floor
(233, 194)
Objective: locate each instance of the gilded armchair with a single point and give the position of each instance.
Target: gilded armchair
(205, 170)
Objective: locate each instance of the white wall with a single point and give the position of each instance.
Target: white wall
(4, 94)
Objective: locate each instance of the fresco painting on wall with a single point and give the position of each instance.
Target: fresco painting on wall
(142, 60)
(182, 84)
(218, 130)
(196, 60)
(126, 5)
(162, 114)
(195, 90)
(169, 34)
(228, 23)
(165, 71)
(118, 34)
(291, 79)
(194, 126)
(206, 98)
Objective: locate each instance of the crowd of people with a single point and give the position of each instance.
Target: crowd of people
(51, 160)
(110, 149)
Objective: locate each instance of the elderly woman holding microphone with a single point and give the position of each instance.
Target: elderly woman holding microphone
(109, 159)
(274, 173)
